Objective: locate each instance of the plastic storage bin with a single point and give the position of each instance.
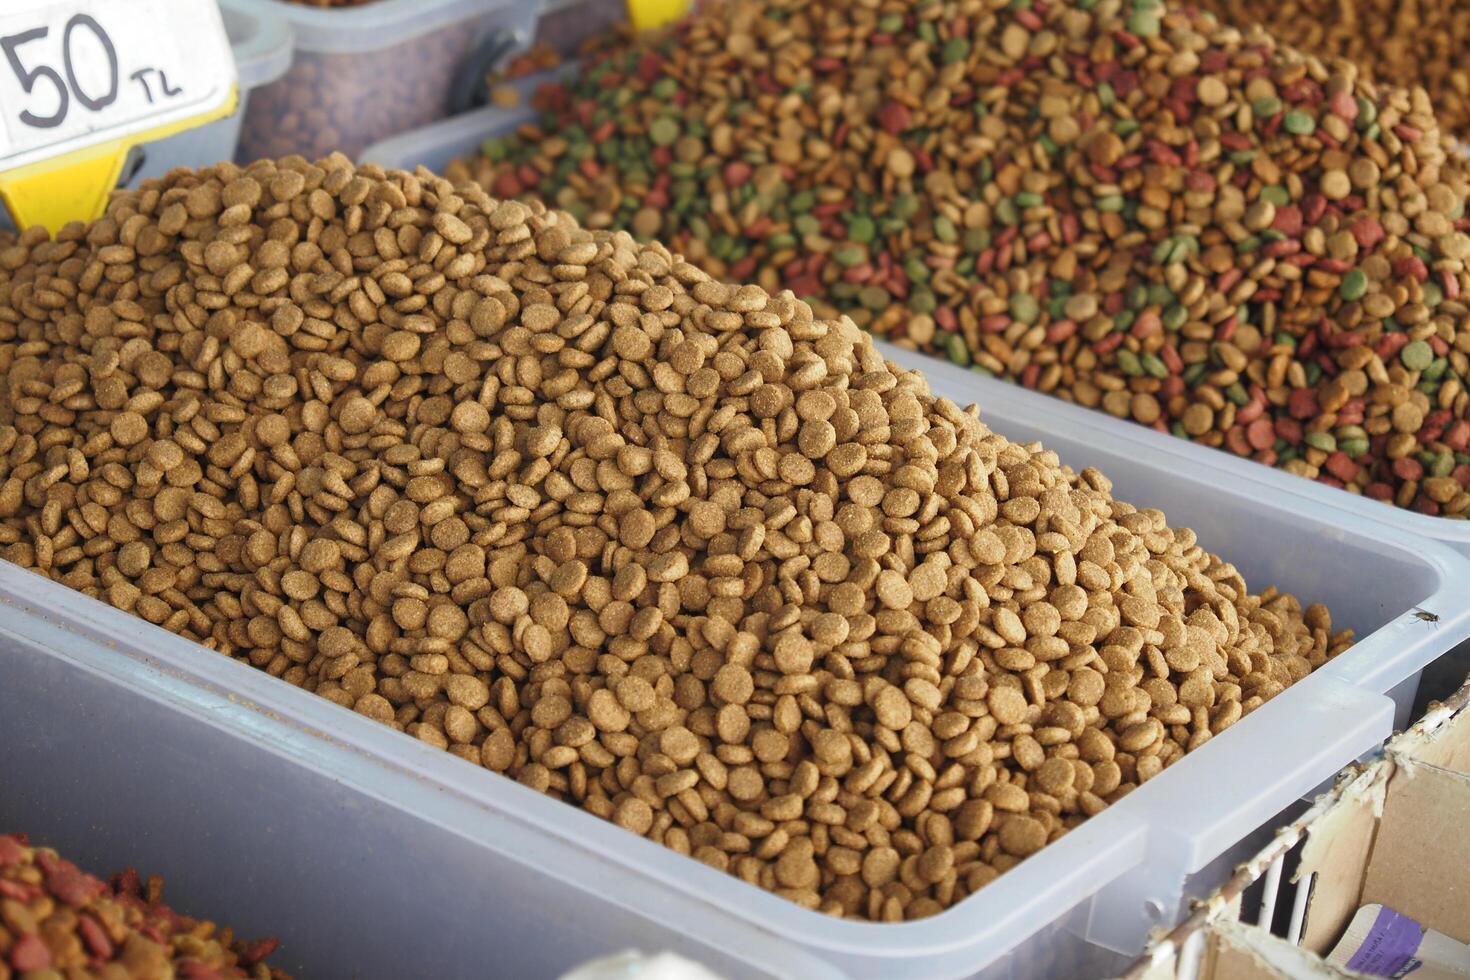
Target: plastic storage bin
(365, 72)
(117, 732)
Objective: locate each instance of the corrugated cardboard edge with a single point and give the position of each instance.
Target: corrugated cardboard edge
(1244, 952)
(1357, 786)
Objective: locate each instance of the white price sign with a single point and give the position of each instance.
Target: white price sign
(74, 73)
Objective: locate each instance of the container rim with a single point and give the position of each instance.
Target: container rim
(376, 25)
(263, 53)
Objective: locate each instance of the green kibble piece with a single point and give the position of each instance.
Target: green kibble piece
(1109, 202)
(1288, 454)
(1275, 194)
(1299, 123)
(954, 346)
(1266, 108)
(664, 89)
(1433, 294)
(1029, 199)
(1175, 317)
(1177, 430)
(956, 49)
(890, 23)
(1143, 23)
(850, 255)
(1105, 95)
(944, 229)
(861, 229)
(1353, 447)
(1416, 355)
(781, 241)
(1024, 308)
(1436, 369)
(915, 269)
(1237, 394)
(874, 298)
(1154, 366)
(1195, 372)
(1128, 362)
(922, 301)
(663, 131)
(1443, 464)
(806, 224)
(1354, 286)
(976, 239)
(1322, 440)
(1005, 211)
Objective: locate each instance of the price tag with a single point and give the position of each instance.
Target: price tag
(83, 81)
(646, 14)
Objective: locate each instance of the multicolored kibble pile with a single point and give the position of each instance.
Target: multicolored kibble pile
(1129, 207)
(1403, 42)
(58, 921)
(675, 551)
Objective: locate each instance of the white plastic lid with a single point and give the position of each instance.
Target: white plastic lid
(377, 25)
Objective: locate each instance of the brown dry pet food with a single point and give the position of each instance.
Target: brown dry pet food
(1120, 203)
(58, 921)
(1405, 42)
(672, 550)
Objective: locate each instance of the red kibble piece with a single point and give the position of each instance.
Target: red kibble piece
(258, 950)
(1237, 442)
(1408, 468)
(1341, 465)
(894, 117)
(30, 953)
(1367, 231)
(73, 887)
(96, 937)
(1261, 434)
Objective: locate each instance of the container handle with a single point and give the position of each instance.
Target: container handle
(471, 88)
(1228, 789)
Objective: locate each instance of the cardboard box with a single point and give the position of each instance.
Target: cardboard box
(1394, 832)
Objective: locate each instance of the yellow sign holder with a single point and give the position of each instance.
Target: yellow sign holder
(76, 186)
(646, 14)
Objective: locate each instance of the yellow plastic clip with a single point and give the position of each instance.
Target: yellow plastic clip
(655, 13)
(75, 186)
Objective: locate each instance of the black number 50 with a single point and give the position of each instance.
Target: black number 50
(64, 90)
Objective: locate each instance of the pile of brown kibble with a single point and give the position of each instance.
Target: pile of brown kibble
(674, 551)
(58, 921)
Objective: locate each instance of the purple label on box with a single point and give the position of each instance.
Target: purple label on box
(1388, 950)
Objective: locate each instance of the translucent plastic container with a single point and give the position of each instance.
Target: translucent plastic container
(363, 73)
(372, 854)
